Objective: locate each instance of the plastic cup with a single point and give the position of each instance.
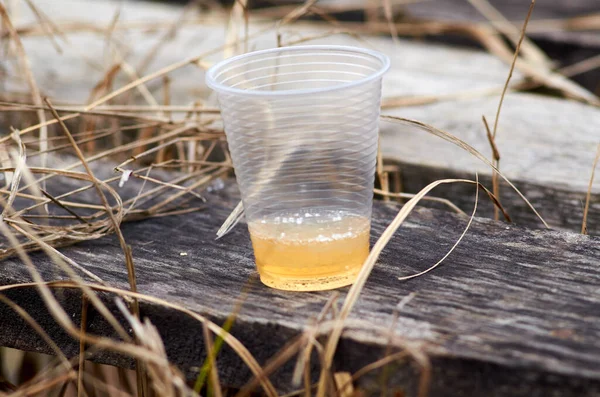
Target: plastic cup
(302, 128)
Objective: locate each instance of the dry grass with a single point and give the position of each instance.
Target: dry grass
(176, 158)
(588, 196)
(533, 53)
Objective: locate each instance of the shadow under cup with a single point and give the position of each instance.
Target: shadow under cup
(302, 128)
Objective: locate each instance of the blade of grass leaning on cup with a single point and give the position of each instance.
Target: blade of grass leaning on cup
(368, 265)
(237, 213)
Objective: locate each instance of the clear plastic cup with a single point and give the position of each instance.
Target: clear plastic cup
(302, 127)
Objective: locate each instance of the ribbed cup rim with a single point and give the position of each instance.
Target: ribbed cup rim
(222, 88)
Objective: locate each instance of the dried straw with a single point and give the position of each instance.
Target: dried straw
(589, 193)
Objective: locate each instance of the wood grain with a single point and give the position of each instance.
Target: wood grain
(512, 312)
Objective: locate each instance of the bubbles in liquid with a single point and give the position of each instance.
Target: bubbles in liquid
(315, 252)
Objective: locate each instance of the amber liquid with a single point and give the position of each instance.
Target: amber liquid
(310, 254)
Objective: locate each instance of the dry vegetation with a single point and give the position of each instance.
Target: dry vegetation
(62, 164)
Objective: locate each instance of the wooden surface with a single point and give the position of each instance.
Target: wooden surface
(512, 312)
(516, 10)
(547, 145)
(547, 148)
(567, 46)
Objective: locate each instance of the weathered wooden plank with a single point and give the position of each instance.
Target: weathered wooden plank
(515, 10)
(68, 76)
(511, 312)
(565, 30)
(546, 145)
(568, 45)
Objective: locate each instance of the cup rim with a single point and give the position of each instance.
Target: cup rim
(222, 88)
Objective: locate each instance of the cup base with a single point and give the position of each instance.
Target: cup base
(308, 283)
